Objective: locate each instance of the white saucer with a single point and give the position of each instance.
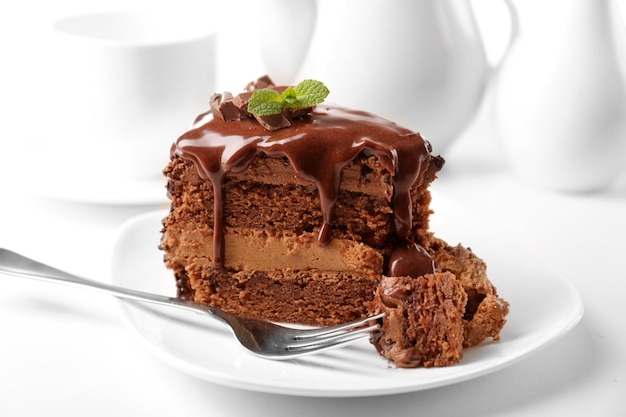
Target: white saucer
(106, 192)
(543, 308)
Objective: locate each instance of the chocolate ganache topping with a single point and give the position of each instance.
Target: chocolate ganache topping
(318, 142)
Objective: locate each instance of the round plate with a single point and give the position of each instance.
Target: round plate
(543, 308)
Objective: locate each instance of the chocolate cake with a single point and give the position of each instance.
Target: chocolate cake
(299, 216)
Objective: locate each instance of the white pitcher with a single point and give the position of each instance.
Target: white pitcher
(560, 102)
(420, 63)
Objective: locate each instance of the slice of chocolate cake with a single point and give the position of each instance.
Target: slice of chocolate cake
(297, 216)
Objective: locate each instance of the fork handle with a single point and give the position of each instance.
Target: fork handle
(18, 265)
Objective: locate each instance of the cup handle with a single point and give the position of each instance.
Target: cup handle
(513, 35)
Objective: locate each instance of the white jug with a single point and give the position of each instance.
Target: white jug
(560, 101)
(420, 63)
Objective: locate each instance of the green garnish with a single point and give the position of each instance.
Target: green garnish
(266, 102)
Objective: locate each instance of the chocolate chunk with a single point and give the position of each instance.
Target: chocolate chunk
(297, 113)
(215, 105)
(273, 122)
(261, 82)
(222, 106)
(241, 102)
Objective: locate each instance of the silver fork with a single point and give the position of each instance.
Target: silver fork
(262, 338)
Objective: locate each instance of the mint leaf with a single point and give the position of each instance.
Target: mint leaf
(290, 98)
(265, 102)
(310, 93)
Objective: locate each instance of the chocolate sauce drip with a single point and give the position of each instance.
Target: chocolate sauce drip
(411, 260)
(318, 146)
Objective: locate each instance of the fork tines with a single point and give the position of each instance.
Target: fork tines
(336, 335)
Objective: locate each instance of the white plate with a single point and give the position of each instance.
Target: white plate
(543, 308)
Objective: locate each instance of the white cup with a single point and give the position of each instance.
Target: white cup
(119, 88)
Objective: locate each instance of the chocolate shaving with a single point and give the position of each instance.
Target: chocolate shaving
(228, 107)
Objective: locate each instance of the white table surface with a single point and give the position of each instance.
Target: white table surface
(65, 352)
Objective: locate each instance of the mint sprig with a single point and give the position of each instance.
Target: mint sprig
(266, 102)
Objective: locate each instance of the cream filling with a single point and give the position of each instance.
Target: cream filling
(252, 250)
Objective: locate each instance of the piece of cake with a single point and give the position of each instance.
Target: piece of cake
(424, 322)
(298, 216)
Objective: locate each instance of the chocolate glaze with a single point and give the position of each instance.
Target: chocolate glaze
(411, 260)
(318, 146)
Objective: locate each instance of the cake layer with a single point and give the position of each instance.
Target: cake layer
(253, 250)
(311, 297)
(364, 175)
